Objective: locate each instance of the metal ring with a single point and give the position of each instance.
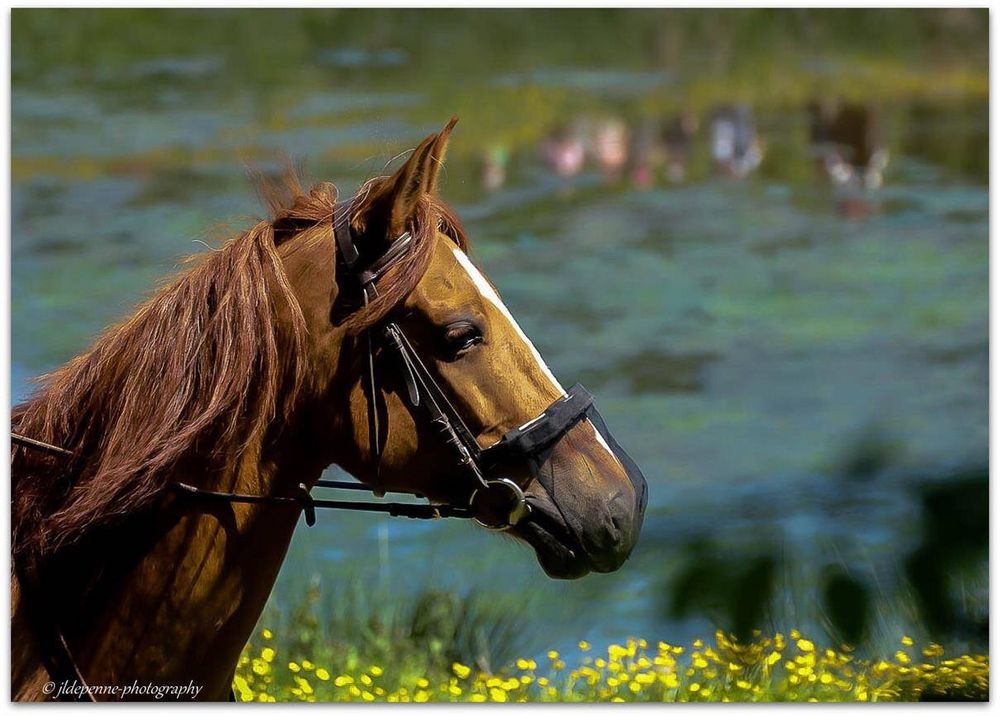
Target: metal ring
(521, 509)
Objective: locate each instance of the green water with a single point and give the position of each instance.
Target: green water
(742, 337)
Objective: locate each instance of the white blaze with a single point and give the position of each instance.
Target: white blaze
(490, 294)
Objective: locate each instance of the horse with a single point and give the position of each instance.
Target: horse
(257, 367)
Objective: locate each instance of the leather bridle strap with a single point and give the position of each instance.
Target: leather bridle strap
(420, 384)
(348, 252)
(443, 414)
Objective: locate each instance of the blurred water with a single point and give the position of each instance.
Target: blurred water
(741, 336)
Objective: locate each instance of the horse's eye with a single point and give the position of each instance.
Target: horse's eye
(459, 337)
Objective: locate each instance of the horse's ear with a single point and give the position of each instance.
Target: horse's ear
(399, 195)
(439, 150)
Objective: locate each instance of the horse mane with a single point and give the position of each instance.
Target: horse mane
(200, 370)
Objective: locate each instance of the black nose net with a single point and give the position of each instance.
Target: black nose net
(532, 443)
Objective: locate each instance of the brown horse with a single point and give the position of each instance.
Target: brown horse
(247, 374)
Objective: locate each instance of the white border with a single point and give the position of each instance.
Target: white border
(460, 708)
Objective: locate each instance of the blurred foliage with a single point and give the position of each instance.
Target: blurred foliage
(696, 58)
(740, 591)
(954, 541)
(718, 41)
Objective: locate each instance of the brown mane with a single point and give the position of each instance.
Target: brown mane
(200, 370)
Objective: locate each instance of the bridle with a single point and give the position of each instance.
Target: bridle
(528, 443)
(424, 392)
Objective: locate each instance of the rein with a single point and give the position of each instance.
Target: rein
(302, 496)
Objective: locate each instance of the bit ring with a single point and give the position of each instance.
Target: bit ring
(518, 512)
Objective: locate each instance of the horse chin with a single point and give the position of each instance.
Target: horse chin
(556, 559)
(557, 551)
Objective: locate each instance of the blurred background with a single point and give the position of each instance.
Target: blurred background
(759, 237)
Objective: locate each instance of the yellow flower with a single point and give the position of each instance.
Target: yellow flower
(267, 634)
(461, 670)
(584, 646)
(933, 650)
(455, 690)
(553, 654)
(367, 696)
(293, 667)
(343, 680)
(308, 665)
(267, 654)
(498, 694)
(322, 674)
(375, 671)
(906, 641)
(804, 644)
(423, 683)
(477, 698)
(902, 657)
(421, 697)
(365, 679)
(774, 658)
(246, 694)
(695, 687)
(526, 664)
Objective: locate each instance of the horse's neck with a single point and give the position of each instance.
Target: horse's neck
(185, 604)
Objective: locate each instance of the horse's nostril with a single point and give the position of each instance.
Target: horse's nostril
(610, 543)
(615, 529)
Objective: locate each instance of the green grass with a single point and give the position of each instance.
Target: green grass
(768, 668)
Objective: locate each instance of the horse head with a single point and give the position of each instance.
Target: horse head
(585, 498)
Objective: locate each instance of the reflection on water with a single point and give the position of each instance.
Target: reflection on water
(743, 319)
